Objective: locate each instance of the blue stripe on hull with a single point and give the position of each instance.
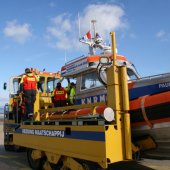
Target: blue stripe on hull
(85, 135)
(146, 90)
(80, 135)
(133, 93)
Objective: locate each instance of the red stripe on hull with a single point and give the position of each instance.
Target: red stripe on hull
(151, 100)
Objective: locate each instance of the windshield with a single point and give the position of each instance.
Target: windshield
(40, 84)
(131, 74)
(14, 85)
(90, 80)
(51, 84)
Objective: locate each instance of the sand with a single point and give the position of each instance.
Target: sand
(1, 133)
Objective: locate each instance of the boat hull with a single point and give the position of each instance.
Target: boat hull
(150, 115)
(159, 132)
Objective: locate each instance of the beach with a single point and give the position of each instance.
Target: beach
(1, 113)
(1, 133)
(1, 125)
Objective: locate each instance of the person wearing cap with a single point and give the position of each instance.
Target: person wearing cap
(59, 96)
(72, 93)
(28, 85)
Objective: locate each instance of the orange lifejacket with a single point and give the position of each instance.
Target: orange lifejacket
(60, 94)
(29, 82)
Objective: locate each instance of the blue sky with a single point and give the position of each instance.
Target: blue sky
(39, 33)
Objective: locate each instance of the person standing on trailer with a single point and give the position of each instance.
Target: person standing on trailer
(60, 96)
(72, 93)
(28, 85)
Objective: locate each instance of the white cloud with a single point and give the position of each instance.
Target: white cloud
(63, 33)
(163, 36)
(19, 33)
(160, 34)
(52, 4)
(109, 18)
(132, 35)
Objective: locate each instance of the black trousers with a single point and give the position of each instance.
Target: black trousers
(30, 97)
(17, 114)
(59, 103)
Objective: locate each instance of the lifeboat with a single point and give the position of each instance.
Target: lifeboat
(149, 96)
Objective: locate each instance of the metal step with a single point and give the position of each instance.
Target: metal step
(162, 150)
(163, 144)
(157, 154)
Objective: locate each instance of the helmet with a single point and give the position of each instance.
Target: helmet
(73, 84)
(58, 85)
(27, 70)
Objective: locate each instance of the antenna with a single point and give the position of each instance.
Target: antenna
(79, 25)
(93, 23)
(65, 57)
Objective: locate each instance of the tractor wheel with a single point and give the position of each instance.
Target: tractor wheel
(34, 164)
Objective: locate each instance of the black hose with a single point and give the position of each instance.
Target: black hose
(98, 74)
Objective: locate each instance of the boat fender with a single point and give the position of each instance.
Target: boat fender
(144, 112)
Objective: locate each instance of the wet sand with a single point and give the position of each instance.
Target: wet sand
(1, 133)
(11, 160)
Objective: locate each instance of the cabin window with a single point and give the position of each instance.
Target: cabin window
(51, 83)
(15, 85)
(90, 80)
(131, 74)
(41, 84)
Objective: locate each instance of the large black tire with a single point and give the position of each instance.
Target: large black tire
(35, 164)
(56, 167)
(8, 147)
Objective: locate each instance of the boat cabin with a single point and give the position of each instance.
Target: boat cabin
(90, 76)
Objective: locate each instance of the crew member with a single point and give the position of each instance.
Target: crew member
(16, 107)
(68, 92)
(72, 93)
(28, 86)
(59, 96)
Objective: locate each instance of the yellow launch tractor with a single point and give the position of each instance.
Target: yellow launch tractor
(57, 141)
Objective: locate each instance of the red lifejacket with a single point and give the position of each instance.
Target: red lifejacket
(15, 100)
(29, 82)
(60, 94)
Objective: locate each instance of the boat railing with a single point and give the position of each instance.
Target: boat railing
(164, 75)
(74, 60)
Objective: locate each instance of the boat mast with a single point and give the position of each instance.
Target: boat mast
(94, 28)
(95, 42)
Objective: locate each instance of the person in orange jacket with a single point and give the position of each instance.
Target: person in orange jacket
(60, 96)
(28, 85)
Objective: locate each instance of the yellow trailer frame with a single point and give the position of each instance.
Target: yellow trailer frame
(96, 143)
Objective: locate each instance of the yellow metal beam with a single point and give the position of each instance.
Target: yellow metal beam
(47, 166)
(113, 39)
(118, 100)
(52, 158)
(126, 115)
(70, 163)
(37, 107)
(36, 154)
